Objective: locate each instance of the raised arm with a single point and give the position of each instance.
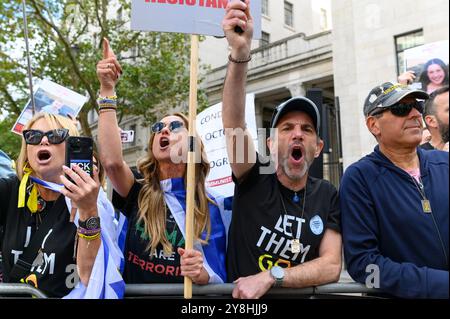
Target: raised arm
(83, 192)
(407, 78)
(110, 145)
(240, 147)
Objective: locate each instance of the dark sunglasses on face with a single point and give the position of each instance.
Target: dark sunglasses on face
(34, 137)
(174, 126)
(400, 109)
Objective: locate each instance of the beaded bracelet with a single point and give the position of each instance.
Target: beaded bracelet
(111, 97)
(231, 59)
(107, 102)
(108, 108)
(89, 238)
(102, 105)
(88, 232)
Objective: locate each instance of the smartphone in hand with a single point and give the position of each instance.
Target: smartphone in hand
(79, 152)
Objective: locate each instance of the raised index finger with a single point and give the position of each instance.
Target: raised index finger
(107, 51)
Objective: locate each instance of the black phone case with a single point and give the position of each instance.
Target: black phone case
(79, 152)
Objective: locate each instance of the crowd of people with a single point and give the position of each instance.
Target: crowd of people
(284, 227)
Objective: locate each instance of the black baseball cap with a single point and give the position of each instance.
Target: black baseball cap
(389, 94)
(298, 103)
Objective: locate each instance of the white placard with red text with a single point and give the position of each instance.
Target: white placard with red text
(203, 17)
(210, 129)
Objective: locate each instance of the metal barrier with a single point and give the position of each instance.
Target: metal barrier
(211, 291)
(225, 290)
(20, 290)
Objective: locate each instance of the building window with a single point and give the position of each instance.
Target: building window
(265, 39)
(265, 7)
(404, 42)
(288, 14)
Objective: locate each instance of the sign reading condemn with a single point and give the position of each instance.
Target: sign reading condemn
(210, 129)
(186, 16)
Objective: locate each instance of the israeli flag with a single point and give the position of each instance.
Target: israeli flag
(215, 251)
(106, 281)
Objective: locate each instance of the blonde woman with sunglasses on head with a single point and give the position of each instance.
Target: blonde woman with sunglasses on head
(155, 205)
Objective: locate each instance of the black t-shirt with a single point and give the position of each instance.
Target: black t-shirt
(56, 264)
(262, 231)
(140, 266)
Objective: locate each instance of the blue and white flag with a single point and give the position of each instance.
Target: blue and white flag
(215, 251)
(106, 281)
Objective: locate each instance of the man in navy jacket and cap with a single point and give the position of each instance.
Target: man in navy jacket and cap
(394, 202)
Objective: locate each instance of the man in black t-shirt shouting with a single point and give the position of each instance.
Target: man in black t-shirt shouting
(285, 229)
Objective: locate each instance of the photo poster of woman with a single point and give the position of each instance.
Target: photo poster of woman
(52, 98)
(429, 63)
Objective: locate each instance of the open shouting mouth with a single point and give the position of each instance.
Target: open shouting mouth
(44, 156)
(296, 154)
(164, 143)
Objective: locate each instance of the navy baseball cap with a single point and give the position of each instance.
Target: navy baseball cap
(298, 103)
(389, 94)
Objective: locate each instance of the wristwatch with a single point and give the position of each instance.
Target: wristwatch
(277, 273)
(90, 223)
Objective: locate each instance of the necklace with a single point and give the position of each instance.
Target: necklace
(426, 205)
(296, 199)
(295, 243)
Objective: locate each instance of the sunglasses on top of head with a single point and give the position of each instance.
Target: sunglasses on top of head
(174, 126)
(34, 137)
(400, 109)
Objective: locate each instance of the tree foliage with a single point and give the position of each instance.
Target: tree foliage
(65, 45)
(9, 142)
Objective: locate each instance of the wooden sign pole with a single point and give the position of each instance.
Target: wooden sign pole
(190, 188)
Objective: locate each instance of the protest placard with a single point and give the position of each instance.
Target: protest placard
(51, 98)
(210, 129)
(186, 16)
(429, 63)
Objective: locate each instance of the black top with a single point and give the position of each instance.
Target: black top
(57, 263)
(427, 146)
(140, 266)
(261, 230)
